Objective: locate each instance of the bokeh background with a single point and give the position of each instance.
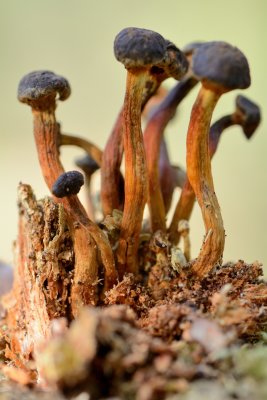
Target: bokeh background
(75, 39)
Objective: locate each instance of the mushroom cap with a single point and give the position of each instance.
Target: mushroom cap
(143, 48)
(135, 47)
(175, 63)
(40, 88)
(87, 164)
(250, 114)
(221, 65)
(67, 184)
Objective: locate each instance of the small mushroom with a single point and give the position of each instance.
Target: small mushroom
(141, 51)
(247, 115)
(221, 68)
(40, 89)
(111, 185)
(67, 184)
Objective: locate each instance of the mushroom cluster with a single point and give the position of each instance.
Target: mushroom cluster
(103, 258)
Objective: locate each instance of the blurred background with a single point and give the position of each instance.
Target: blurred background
(75, 39)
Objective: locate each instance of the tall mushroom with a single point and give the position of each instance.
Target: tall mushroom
(141, 51)
(40, 89)
(221, 68)
(247, 115)
(113, 152)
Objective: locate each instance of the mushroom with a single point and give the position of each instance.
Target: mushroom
(67, 184)
(158, 201)
(221, 68)
(112, 156)
(39, 89)
(94, 153)
(89, 167)
(247, 115)
(141, 51)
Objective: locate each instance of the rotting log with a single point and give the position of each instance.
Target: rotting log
(43, 274)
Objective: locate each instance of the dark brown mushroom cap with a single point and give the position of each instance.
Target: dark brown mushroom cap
(174, 63)
(143, 48)
(250, 114)
(40, 88)
(67, 184)
(222, 65)
(87, 164)
(135, 47)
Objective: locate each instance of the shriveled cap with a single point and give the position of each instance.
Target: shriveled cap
(67, 184)
(39, 89)
(249, 113)
(174, 63)
(135, 47)
(143, 48)
(87, 164)
(222, 65)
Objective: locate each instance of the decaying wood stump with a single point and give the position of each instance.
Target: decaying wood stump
(42, 282)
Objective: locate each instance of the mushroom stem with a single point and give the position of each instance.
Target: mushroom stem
(152, 138)
(84, 232)
(187, 198)
(89, 147)
(216, 130)
(200, 177)
(89, 167)
(112, 183)
(135, 174)
(247, 115)
(167, 176)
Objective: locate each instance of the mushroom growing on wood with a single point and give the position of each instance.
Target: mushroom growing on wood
(40, 89)
(141, 51)
(221, 68)
(67, 184)
(112, 155)
(247, 115)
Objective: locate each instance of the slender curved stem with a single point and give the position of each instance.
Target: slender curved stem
(135, 174)
(187, 198)
(84, 232)
(152, 139)
(90, 148)
(200, 177)
(112, 184)
(167, 176)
